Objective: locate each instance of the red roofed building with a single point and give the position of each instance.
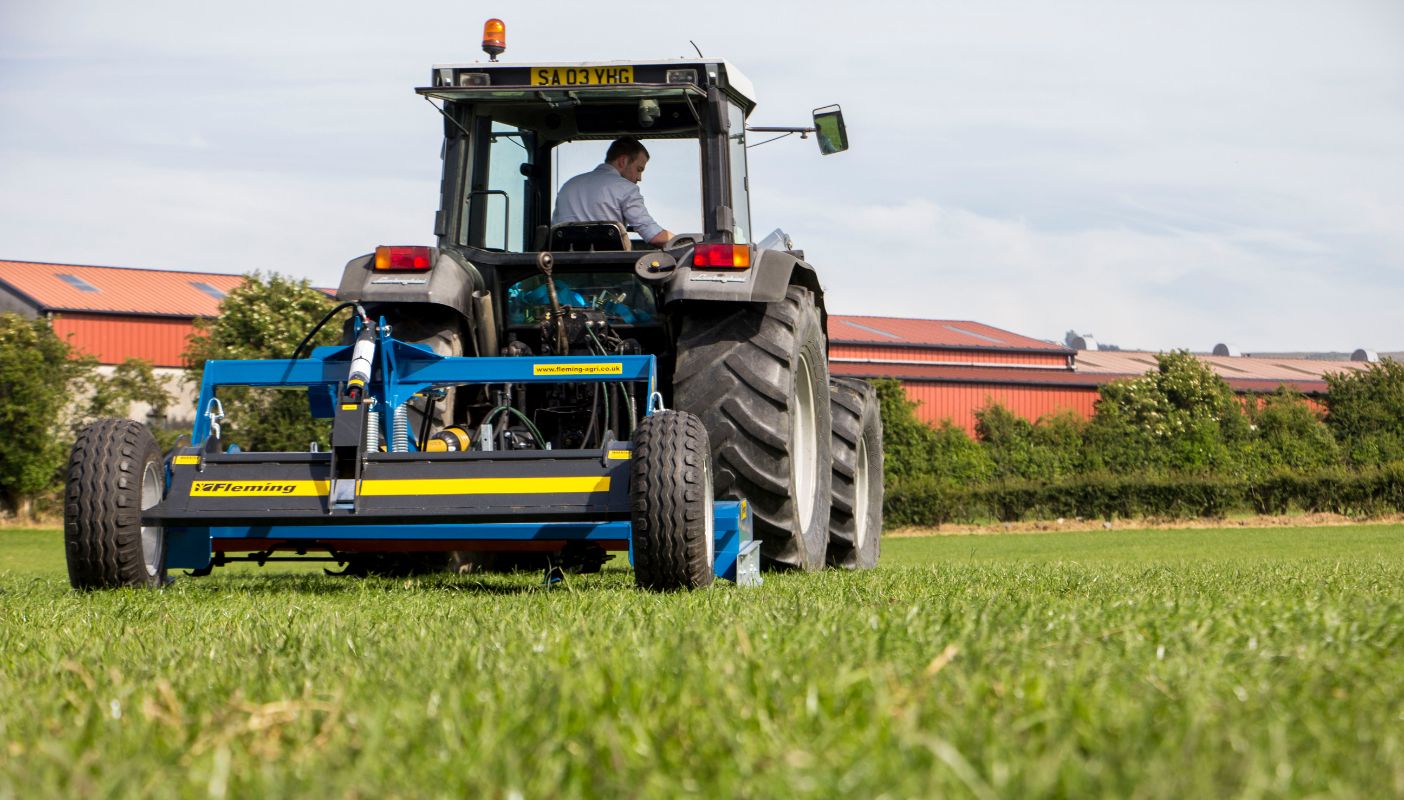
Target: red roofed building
(951, 368)
(114, 313)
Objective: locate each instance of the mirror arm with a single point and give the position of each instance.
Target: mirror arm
(803, 132)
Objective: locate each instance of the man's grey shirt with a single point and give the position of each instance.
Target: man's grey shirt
(603, 195)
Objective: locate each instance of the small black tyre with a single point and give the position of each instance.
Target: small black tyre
(855, 522)
(758, 378)
(114, 473)
(670, 492)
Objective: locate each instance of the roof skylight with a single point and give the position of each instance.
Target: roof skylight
(208, 289)
(77, 282)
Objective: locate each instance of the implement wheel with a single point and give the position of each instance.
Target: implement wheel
(855, 523)
(114, 473)
(758, 377)
(671, 495)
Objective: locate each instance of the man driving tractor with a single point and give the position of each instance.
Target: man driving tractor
(610, 193)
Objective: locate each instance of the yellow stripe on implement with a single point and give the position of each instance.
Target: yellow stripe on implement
(260, 488)
(566, 485)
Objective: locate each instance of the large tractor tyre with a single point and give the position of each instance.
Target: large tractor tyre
(670, 492)
(114, 473)
(855, 523)
(758, 378)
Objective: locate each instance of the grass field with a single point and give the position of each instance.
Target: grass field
(1204, 663)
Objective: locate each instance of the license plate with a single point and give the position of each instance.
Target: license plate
(581, 76)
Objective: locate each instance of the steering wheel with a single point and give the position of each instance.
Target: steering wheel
(681, 240)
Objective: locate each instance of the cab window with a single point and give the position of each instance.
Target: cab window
(740, 190)
(499, 201)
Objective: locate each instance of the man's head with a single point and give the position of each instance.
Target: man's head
(629, 156)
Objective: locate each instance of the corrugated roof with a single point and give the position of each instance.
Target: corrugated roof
(1291, 370)
(1048, 378)
(899, 331)
(120, 290)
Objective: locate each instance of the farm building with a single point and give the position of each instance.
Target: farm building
(951, 368)
(114, 313)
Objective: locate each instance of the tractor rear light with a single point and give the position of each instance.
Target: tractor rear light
(722, 256)
(494, 38)
(404, 258)
(474, 79)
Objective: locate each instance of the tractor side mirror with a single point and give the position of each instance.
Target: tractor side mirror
(829, 130)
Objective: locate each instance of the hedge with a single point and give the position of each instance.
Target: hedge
(932, 502)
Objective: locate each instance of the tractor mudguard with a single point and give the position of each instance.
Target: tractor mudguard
(449, 284)
(765, 282)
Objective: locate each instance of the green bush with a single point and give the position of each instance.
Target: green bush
(1180, 417)
(1046, 450)
(1365, 411)
(39, 375)
(913, 449)
(47, 392)
(264, 318)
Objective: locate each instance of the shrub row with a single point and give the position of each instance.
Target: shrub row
(931, 502)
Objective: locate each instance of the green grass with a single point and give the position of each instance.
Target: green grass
(1204, 663)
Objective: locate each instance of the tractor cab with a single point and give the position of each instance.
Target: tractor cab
(515, 133)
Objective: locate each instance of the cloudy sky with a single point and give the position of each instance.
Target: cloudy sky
(1160, 174)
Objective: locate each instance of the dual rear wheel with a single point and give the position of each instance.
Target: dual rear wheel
(803, 449)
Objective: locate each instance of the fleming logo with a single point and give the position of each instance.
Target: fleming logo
(227, 488)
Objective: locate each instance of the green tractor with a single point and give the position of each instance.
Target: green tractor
(738, 326)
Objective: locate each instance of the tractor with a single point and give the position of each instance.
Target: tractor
(521, 389)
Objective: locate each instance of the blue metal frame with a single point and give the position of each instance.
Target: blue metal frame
(413, 369)
(190, 547)
(405, 370)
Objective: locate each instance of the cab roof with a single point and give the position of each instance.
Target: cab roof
(455, 81)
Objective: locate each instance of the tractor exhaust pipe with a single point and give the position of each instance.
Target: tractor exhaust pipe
(486, 335)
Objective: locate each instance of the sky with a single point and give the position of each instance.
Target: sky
(1160, 174)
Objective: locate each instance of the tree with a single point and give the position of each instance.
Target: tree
(37, 374)
(264, 317)
(1046, 450)
(1179, 417)
(913, 449)
(1289, 434)
(1365, 410)
(132, 381)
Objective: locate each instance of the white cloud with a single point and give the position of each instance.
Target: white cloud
(1164, 173)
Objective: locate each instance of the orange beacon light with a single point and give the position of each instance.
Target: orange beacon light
(494, 38)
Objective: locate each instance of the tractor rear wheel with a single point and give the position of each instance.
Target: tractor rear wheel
(443, 334)
(855, 523)
(114, 473)
(670, 490)
(758, 378)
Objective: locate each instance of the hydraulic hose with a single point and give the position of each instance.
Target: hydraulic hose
(360, 312)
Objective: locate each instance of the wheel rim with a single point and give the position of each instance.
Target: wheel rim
(860, 499)
(152, 540)
(804, 450)
(708, 531)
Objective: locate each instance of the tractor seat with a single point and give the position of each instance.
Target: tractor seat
(588, 237)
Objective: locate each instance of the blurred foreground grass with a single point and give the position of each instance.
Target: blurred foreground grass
(1260, 663)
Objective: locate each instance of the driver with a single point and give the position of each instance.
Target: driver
(610, 192)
